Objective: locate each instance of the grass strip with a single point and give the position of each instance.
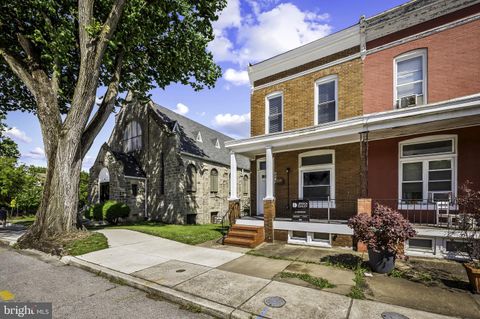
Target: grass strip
(316, 281)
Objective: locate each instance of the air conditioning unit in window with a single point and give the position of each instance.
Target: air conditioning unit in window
(407, 101)
(435, 197)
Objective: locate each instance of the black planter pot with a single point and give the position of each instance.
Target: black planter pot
(381, 261)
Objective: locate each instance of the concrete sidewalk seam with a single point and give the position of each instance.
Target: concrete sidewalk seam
(208, 306)
(349, 308)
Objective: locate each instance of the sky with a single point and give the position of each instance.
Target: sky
(246, 32)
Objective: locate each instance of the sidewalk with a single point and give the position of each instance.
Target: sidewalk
(222, 283)
(11, 233)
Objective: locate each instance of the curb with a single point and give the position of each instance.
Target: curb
(207, 306)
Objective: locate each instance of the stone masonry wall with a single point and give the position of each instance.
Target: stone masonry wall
(175, 203)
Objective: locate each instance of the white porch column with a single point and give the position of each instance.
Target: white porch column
(233, 176)
(269, 182)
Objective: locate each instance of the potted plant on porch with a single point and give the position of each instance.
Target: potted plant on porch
(469, 228)
(384, 233)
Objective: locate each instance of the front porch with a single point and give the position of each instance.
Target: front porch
(413, 160)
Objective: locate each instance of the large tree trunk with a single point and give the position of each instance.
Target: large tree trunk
(58, 209)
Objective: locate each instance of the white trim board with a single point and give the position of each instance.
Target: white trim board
(350, 128)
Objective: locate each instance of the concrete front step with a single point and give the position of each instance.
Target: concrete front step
(245, 236)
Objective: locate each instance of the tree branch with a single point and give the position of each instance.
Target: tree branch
(20, 70)
(109, 27)
(85, 14)
(105, 108)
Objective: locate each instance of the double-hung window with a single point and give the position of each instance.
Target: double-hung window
(411, 79)
(427, 169)
(326, 100)
(274, 113)
(317, 178)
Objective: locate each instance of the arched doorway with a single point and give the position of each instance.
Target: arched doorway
(104, 184)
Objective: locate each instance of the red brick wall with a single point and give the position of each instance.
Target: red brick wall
(453, 67)
(383, 162)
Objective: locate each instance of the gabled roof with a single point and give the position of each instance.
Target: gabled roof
(130, 164)
(188, 131)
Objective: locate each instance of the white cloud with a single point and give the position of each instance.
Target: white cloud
(271, 35)
(181, 109)
(201, 113)
(236, 125)
(236, 77)
(266, 32)
(87, 162)
(36, 153)
(18, 135)
(230, 16)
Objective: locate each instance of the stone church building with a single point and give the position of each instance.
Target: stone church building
(166, 167)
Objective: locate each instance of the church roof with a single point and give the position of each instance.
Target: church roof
(204, 147)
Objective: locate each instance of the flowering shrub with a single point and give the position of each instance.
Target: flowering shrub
(385, 231)
(469, 221)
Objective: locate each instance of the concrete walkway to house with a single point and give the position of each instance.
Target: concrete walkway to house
(227, 283)
(11, 233)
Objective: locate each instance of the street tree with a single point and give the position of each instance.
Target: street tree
(57, 54)
(8, 148)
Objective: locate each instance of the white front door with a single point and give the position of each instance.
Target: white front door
(261, 185)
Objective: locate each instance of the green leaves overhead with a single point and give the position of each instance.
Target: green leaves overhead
(162, 42)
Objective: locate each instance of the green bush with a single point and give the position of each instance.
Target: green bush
(110, 211)
(113, 210)
(95, 212)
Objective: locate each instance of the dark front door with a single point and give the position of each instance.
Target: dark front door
(104, 191)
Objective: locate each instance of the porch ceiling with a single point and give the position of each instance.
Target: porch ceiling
(456, 113)
(429, 127)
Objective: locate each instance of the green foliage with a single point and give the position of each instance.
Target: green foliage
(162, 42)
(83, 190)
(11, 180)
(316, 281)
(110, 211)
(113, 210)
(187, 234)
(8, 148)
(357, 291)
(95, 212)
(93, 242)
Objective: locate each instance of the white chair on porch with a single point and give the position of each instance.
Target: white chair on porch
(442, 208)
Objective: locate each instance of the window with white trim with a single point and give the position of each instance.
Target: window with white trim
(132, 137)
(317, 177)
(326, 100)
(274, 113)
(428, 169)
(411, 79)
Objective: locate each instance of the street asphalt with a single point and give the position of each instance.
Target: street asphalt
(76, 293)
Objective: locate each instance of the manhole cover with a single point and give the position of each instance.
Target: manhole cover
(180, 270)
(393, 315)
(274, 302)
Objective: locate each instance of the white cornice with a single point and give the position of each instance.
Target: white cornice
(312, 51)
(347, 130)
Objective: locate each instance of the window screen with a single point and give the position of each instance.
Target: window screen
(275, 114)
(326, 102)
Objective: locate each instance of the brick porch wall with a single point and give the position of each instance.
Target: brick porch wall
(347, 180)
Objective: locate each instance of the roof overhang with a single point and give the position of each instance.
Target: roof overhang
(331, 44)
(455, 113)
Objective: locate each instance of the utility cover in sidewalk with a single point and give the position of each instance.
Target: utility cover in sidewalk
(393, 315)
(275, 302)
